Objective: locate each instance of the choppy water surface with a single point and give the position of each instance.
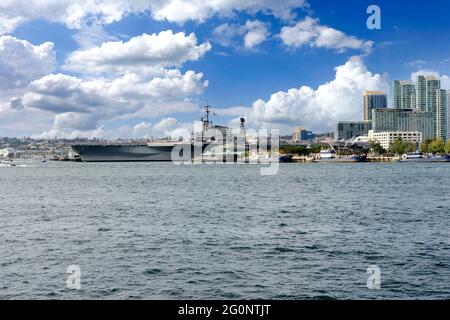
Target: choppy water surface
(161, 231)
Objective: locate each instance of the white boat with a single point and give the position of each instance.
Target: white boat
(330, 156)
(7, 163)
(259, 158)
(419, 157)
(326, 155)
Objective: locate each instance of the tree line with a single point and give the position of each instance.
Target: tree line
(300, 150)
(431, 146)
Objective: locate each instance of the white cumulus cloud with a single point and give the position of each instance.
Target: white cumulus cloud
(86, 105)
(22, 62)
(253, 33)
(116, 80)
(309, 32)
(72, 13)
(75, 13)
(165, 49)
(166, 127)
(257, 33)
(320, 109)
(61, 93)
(78, 121)
(181, 11)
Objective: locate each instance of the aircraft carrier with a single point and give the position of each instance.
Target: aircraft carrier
(125, 152)
(122, 152)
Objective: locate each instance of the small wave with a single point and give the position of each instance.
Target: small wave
(37, 239)
(283, 249)
(323, 297)
(174, 292)
(153, 271)
(240, 248)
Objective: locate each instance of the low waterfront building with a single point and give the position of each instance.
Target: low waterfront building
(385, 139)
(404, 120)
(348, 130)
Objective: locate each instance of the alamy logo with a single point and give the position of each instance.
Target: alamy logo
(374, 20)
(74, 280)
(374, 279)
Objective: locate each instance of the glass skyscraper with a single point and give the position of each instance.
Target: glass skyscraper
(396, 95)
(448, 116)
(430, 98)
(403, 95)
(433, 84)
(441, 114)
(373, 100)
(421, 93)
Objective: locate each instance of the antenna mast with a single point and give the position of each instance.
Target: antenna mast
(207, 113)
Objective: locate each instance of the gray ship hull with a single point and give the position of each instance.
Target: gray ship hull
(125, 153)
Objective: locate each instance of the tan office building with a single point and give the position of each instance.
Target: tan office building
(373, 100)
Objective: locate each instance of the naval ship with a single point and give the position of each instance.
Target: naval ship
(122, 152)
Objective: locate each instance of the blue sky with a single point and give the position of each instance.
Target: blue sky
(412, 38)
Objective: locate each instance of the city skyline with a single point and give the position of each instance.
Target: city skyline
(425, 95)
(131, 71)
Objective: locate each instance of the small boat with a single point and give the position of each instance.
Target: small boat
(330, 156)
(326, 155)
(420, 157)
(350, 159)
(7, 163)
(285, 158)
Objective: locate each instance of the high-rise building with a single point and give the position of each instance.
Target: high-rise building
(403, 96)
(413, 100)
(408, 92)
(421, 93)
(373, 100)
(448, 118)
(302, 134)
(347, 130)
(441, 114)
(428, 99)
(392, 120)
(396, 95)
(433, 84)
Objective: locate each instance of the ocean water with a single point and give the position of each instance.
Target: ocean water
(161, 231)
